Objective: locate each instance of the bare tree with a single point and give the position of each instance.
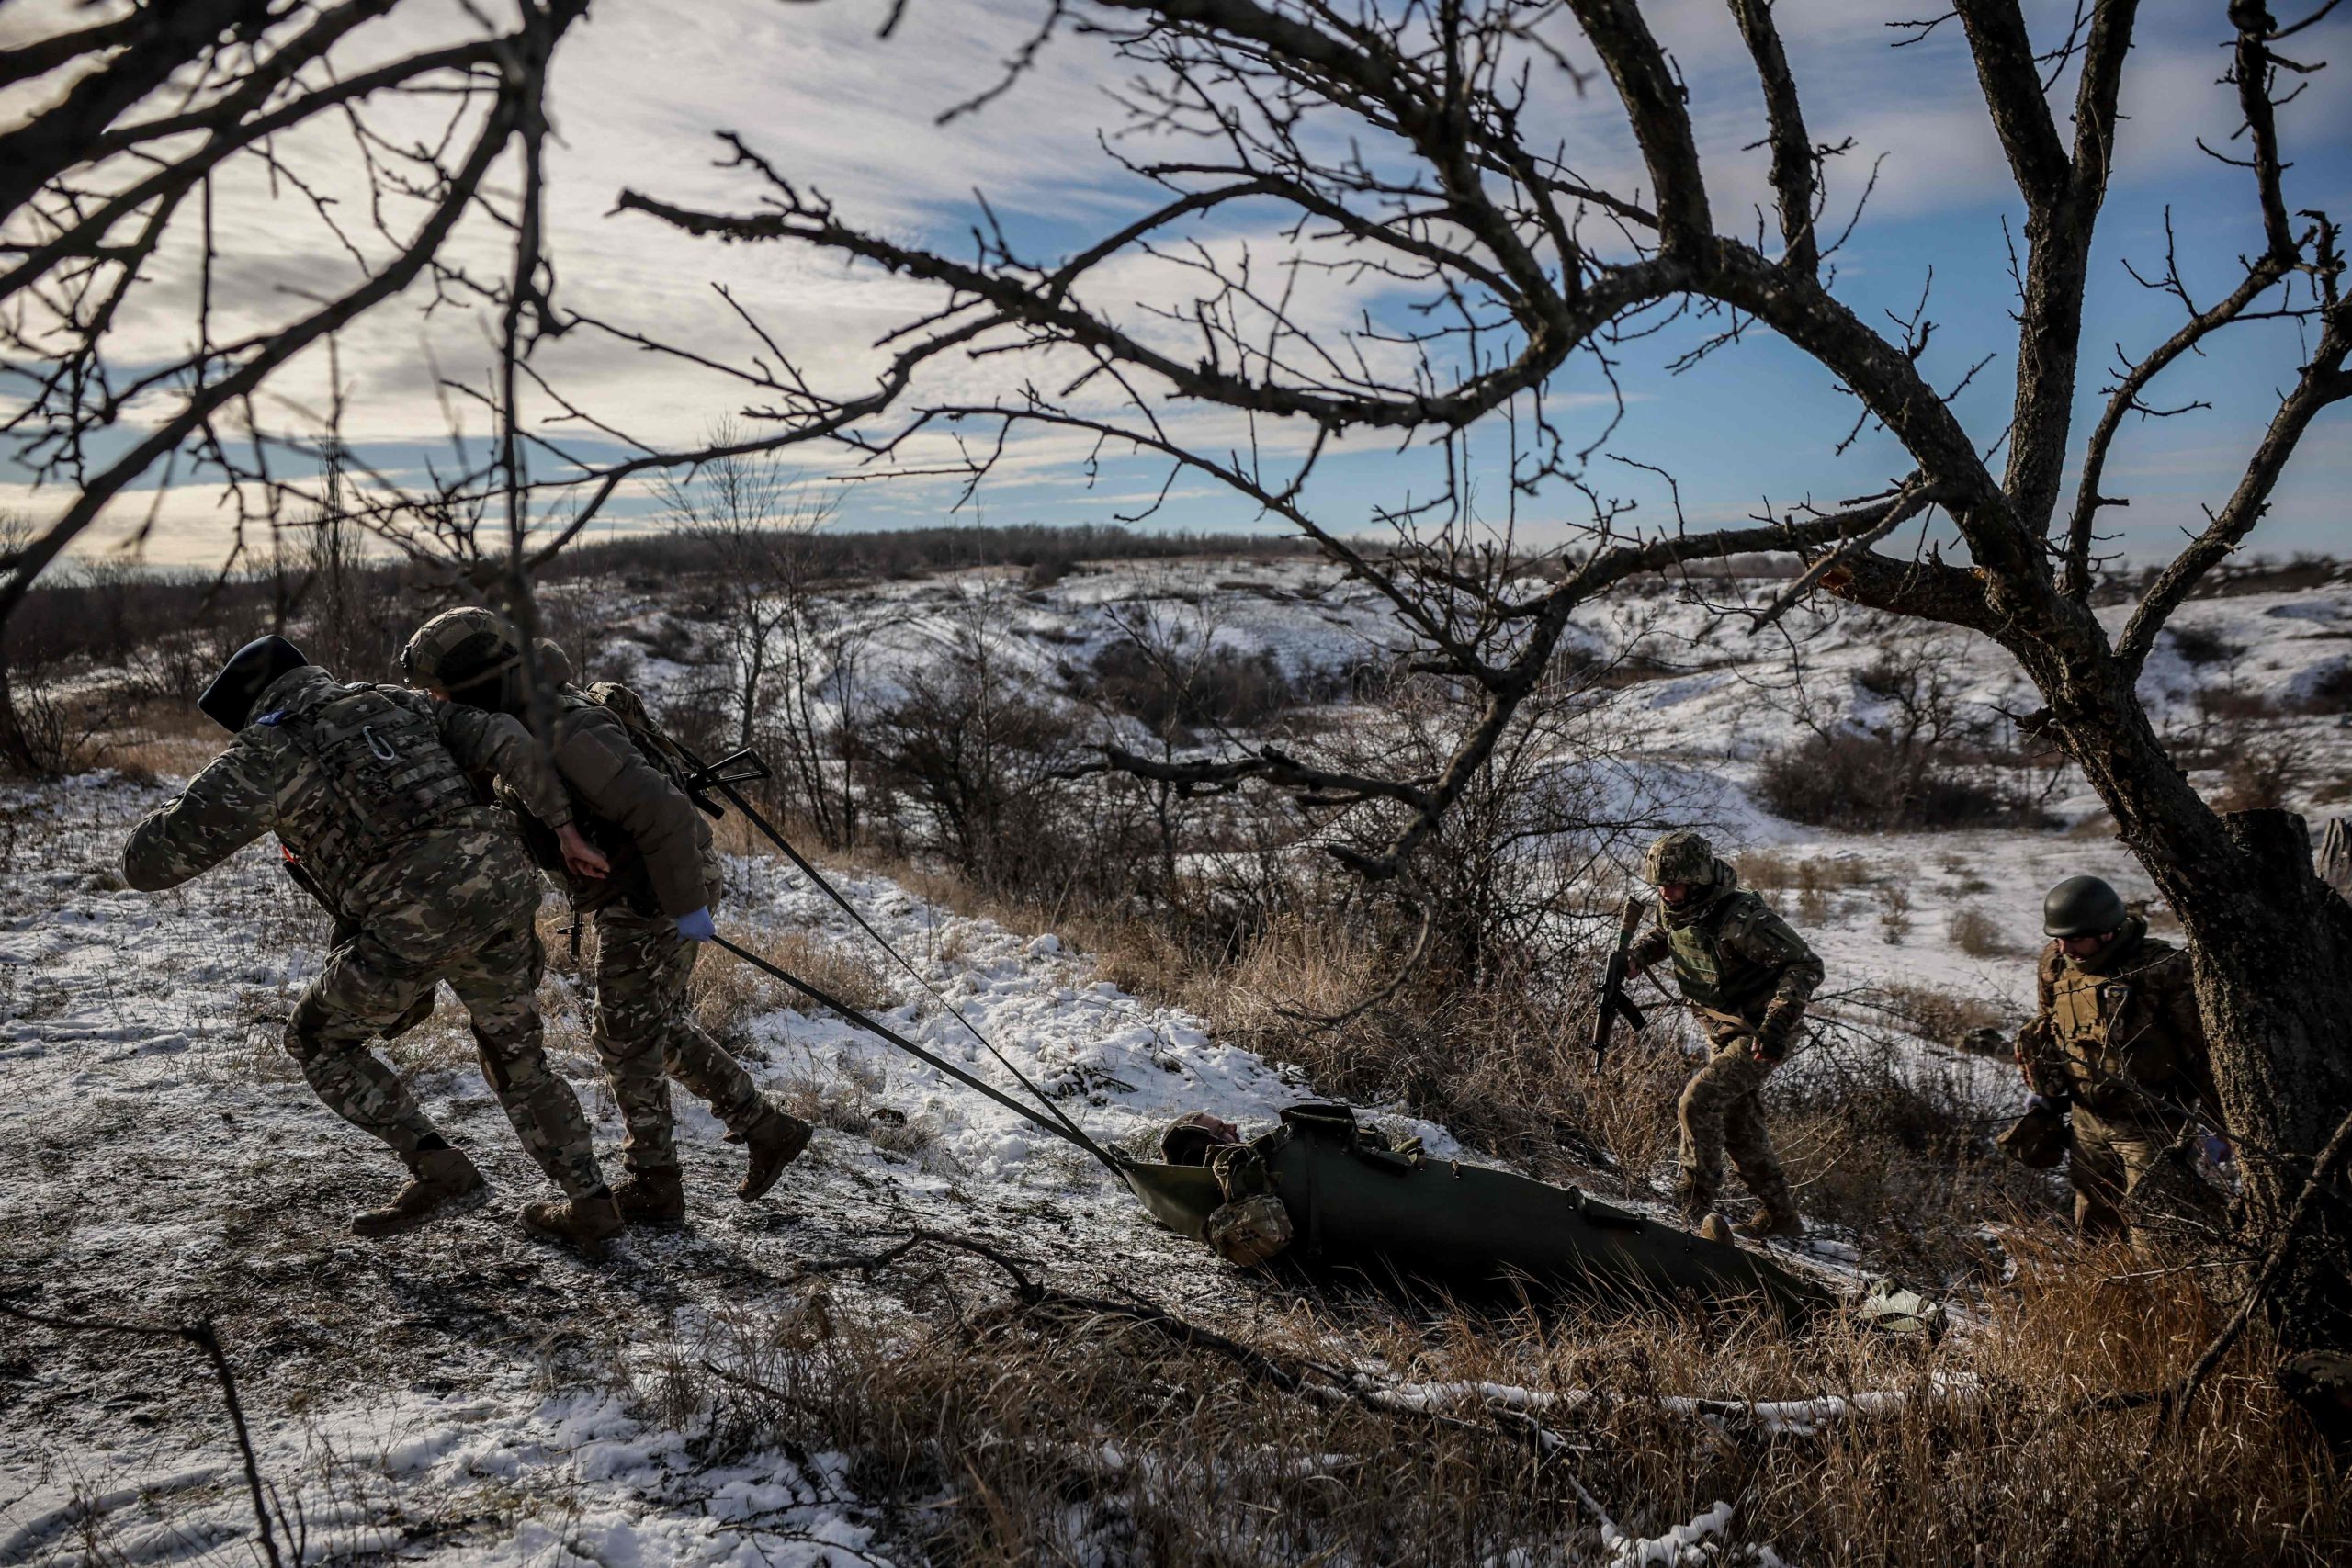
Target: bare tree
(791, 656)
(107, 206)
(1395, 139)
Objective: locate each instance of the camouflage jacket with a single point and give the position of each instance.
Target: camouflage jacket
(1734, 959)
(366, 786)
(2119, 1034)
(663, 858)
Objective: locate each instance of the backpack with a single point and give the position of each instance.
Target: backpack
(658, 750)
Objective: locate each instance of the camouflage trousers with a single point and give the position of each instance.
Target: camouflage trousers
(2132, 1175)
(1721, 1113)
(369, 981)
(646, 1035)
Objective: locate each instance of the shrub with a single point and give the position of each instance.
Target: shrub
(1893, 912)
(1224, 686)
(1862, 783)
(2329, 690)
(2200, 646)
(1977, 934)
(2264, 775)
(1010, 1425)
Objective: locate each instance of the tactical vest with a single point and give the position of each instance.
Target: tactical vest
(1712, 976)
(2105, 1024)
(379, 775)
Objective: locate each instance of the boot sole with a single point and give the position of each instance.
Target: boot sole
(449, 1207)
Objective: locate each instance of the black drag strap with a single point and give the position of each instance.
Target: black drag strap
(1065, 1129)
(1072, 1131)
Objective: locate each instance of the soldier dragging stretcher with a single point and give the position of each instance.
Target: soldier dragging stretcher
(368, 786)
(652, 912)
(1748, 977)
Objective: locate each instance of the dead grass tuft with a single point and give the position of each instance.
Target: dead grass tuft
(729, 992)
(1048, 1431)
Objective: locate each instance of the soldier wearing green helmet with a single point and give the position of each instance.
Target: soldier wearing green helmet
(2117, 1043)
(1748, 977)
(650, 914)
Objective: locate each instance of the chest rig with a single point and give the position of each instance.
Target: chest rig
(378, 775)
(1712, 975)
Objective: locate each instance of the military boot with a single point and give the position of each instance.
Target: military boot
(442, 1182)
(774, 1141)
(1693, 1203)
(582, 1223)
(1769, 1222)
(656, 1198)
(1714, 1227)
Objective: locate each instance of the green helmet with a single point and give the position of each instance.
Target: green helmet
(458, 648)
(2082, 906)
(1680, 856)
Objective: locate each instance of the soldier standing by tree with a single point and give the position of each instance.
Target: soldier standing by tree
(367, 786)
(652, 912)
(1748, 977)
(2119, 1042)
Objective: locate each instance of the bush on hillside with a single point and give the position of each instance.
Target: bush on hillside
(1866, 783)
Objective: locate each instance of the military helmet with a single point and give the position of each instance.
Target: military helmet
(461, 647)
(1680, 856)
(2082, 906)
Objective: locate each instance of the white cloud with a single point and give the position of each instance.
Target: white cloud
(640, 90)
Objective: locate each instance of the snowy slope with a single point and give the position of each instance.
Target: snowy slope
(458, 1395)
(172, 1166)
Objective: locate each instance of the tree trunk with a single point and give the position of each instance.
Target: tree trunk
(2271, 948)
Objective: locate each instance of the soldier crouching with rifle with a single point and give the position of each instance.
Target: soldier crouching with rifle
(653, 912)
(1748, 977)
(366, 788)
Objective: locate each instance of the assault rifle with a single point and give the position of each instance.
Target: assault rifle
(1612, 1002)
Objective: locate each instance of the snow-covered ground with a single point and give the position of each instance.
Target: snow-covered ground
(461, 1395)
(166, 1164)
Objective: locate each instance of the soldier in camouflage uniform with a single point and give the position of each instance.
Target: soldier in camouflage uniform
(2119, 1042)
(366, 785)
(652, 914)
(1748, 977)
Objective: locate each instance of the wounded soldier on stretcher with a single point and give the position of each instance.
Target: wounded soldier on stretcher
(1321, 1188)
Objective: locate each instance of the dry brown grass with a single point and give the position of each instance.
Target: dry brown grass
(1933, 1012)
(1057, 1432)
(728, 993)
(165, 741)
(1774, 870)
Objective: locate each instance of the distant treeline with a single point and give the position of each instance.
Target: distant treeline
(109, 612)
(1046, 551)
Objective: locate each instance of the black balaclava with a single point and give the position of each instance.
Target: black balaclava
(250, 671)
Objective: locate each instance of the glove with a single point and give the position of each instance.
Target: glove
(2034, 1102)
(696, 927)
(2217, 1149)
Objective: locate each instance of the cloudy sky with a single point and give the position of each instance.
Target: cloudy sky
(642, 89)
